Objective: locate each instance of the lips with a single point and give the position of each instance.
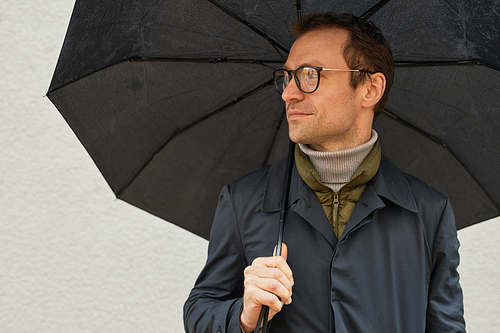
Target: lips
(297, 114)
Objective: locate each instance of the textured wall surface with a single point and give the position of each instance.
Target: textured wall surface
(72, 257)
(75, 259)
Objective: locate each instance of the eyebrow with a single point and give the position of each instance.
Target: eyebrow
(310, 64)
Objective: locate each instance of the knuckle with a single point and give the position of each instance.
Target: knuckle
(275, 304)
(257, 261)
(249, 271)
(249, 282)
(275, 273)
(274, 286)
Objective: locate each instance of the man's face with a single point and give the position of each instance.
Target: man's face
(332, 117)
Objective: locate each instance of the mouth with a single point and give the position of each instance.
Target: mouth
(294, 114)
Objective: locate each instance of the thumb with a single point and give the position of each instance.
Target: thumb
(284, 251)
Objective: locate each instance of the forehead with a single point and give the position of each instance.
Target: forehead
(319, 48)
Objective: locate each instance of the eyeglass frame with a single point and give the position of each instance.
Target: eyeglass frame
(318, 69)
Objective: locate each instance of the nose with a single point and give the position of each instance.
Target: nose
(292, 93)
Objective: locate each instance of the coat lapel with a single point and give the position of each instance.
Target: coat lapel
(389, 183)
(367, 203)
(302, 200)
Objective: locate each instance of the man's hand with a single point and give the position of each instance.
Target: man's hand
(268, 281)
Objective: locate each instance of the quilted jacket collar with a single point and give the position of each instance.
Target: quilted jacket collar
(389, 183)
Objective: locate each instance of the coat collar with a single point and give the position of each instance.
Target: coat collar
(301, 199)
(275, 184)
(389, 183)
(392, 184)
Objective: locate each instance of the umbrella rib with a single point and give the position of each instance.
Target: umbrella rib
(370, 12)
(194, 123)
(444, 145)
(261, 62)
(415, 128)
(403, 63)
(212, 60)
(261, 33)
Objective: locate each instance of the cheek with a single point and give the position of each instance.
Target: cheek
(339, 108)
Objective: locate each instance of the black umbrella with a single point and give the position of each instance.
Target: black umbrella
(174, 99)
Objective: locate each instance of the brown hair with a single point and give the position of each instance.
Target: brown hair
(366, 47)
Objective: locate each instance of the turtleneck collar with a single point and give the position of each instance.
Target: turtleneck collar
(336, 167)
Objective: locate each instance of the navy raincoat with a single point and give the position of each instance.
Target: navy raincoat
(394, 269)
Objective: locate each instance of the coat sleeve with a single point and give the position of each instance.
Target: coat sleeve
(445, 303)
(214, 303)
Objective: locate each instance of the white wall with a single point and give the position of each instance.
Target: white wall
(72, 257)
(75, 259)
(480, 275)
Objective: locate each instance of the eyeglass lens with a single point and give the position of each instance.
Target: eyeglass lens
(306, 78)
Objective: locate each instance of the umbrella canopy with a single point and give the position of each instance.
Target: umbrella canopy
(174, 99)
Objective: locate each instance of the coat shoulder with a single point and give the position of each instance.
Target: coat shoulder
(408, 184)
(423, 191)
(257, 180)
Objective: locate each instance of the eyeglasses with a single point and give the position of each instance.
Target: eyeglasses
(306, 77)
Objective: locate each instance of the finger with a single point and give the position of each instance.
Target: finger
(270, 280)
(260, 297)
(284, 255)
(274, 262)
(253, 300)
(283, 250)
(272, 267)
(277, 288)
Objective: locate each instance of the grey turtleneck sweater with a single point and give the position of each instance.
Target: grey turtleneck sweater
(336, 167)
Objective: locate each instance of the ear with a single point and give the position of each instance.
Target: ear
(373, 90)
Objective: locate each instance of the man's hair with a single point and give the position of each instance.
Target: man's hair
(366, 47)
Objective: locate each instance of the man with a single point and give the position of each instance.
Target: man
(368, 248)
